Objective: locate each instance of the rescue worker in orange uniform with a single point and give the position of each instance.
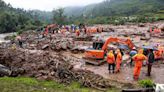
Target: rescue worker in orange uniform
(138, 59)
(118, 60)
(150, 30)
(157, 30)
(111, 61)
(77, 32)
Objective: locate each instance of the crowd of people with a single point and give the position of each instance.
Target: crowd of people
(77, 29)
(114, 59)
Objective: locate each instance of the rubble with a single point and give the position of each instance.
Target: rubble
(4, 71)
(45, 58)
(52, 66)
(62, 44)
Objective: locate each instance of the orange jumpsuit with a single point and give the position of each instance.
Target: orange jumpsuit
(45, 32)
(118, 61)
(111, 61)
(157, 54)
(156, 30)
(77, 32)
(138, 58)
(150, 30)
(63, 31)
(110, 58)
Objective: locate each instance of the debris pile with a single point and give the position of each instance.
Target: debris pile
(62, 44)
(51, 66)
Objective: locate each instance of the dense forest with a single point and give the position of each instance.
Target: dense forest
(106, 12)
(16, 19)
(114, 11)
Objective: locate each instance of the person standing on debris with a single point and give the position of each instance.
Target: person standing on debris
(72, 27)
(20, 42)
(77, 32)
(118, 60)
(150, 62)
(111, 61)
(132, 53)
(138, 58)
(63, 31)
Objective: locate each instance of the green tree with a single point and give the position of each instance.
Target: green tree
(58, 16)
(8, 22)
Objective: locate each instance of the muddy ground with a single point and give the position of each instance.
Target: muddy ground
(59, 57)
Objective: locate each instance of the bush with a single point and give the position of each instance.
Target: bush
(30, 27)
(146, 83)
(19, 32)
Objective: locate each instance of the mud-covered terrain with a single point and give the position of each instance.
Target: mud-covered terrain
(60, 57)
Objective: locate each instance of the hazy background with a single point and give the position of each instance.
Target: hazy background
(48, 5)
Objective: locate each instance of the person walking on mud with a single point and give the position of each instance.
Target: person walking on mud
(20, 42)
(138, 58)
(111, 61)
(150, 62)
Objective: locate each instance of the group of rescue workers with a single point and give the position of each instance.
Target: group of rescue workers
(137, 57)
(77, 29)
(53, 28)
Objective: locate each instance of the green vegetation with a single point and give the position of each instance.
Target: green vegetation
(146, 83)
(15, 19)
(107, 12)
(117, 8)
(20, 84)
(58, 16)
(118, 12)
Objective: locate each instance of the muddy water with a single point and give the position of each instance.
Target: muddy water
(2, 36)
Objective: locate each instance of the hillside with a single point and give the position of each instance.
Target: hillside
(118, 7)
(16, 19)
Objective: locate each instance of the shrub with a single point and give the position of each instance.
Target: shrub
(146, 83)
(19, 32)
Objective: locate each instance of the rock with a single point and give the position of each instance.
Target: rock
(45, 46)
(4, 71)
(17, 71)
(141, 25)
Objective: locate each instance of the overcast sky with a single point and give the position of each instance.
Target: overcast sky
(48, 5)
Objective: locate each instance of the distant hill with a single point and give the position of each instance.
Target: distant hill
(117, 7)
(108, 11)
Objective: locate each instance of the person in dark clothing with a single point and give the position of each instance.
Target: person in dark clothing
(150, 62)
(20, 43)
(122, 53)
(111, 66)
(145, 52)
